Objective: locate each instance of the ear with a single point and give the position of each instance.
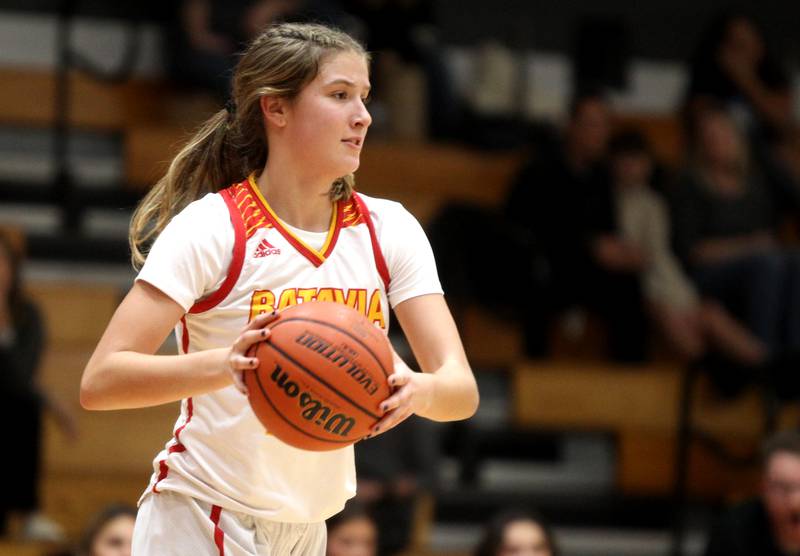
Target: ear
(274, 110)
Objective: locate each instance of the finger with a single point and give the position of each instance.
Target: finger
(394, 401)
(398, 379)
(389, 422)
(261, 320)
(250, 337)
(243, 363)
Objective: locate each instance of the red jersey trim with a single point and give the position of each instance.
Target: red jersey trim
(235, 268)
(219, 534)
(184, 335)
(380, 262)
(163, 468)
(315, 257)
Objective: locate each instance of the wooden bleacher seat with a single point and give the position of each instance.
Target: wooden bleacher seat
(12, 548)
(640, 405)
(421, 176)
(27, 98)
(663, 132)
(74, 313)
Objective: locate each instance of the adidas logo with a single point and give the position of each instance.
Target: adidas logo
(265, 249)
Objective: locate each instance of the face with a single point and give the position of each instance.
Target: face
(720, 141)
(326, 124)
(631, 169)
(744, 40)
(114, 539)
(524, 538)
(590, 128)
(356, 537)
(781, 491)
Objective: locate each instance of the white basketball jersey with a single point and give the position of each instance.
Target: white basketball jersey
(227, 258)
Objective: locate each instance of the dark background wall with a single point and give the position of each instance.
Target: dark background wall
(658, 28)
(664, 29)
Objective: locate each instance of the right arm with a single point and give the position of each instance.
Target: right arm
(124, 373)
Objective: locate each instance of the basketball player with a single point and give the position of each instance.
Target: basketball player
(290, 229)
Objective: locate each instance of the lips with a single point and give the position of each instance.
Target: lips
(354, 141)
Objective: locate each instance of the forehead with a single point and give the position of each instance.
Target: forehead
(523, 532)
(344, 66)
(785, 465)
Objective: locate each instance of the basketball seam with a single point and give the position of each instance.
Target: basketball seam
(298, 429)
(322, 381)
(338, 329)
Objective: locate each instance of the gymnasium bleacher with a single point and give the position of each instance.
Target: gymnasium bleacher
(632, 411)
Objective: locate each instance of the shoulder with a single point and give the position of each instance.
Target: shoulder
(210, 206)
(385, 211)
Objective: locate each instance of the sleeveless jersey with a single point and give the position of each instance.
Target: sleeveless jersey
(228, 257)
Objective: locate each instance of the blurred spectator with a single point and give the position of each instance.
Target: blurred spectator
(561, 201)
(109, 533)
(770, 524)
(725, 220)
(205, 36)
(394, 470)
(693, 326)
(21, 346)
(517, 533)
(733, 66)
(352, 532)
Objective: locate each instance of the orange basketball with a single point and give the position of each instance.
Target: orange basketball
(321, 376)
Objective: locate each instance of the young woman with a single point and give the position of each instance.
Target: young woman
(352, 532)
(22, 344)
(109, 532)
(517, 533)
(290, 229)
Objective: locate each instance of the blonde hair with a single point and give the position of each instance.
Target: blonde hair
(233, 142)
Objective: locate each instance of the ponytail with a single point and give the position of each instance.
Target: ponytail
(206, 164)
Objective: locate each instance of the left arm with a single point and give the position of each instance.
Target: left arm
(446, 389)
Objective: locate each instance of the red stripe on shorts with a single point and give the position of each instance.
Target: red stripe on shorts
(219, 534)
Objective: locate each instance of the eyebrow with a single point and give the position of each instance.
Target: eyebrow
(347, 82)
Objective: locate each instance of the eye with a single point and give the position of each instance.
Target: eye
(340, 95)
(366, 99)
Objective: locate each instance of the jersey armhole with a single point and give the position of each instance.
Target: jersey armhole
(235, 268)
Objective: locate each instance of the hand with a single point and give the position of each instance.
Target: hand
(238, 361)
(414, 394)
(617, 254)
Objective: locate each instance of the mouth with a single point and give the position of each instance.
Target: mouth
(354, 142)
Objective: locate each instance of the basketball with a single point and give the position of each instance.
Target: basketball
(321, 376)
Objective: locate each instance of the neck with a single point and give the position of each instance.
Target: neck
(300, 201)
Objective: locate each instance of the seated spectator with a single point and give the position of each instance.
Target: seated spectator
(395, 470)
(517, 533)
(770, 524)
(725, 223)
(205, 36)
(732, 66)
(352, 532)
(109, 533)
(21, 347)
(560, 200)
(693, 326)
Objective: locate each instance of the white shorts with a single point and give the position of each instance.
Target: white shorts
(171, 524)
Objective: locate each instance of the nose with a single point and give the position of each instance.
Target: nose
(362, 117)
